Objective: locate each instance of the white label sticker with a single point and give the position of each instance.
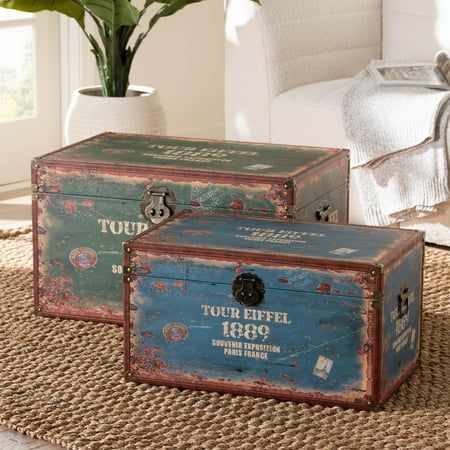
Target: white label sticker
(323, 367)
(413, 338)
(343, 251)
(258, 167)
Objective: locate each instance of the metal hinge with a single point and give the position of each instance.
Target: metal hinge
(128, 376)
(35, 190)
(127, 274)
(288, 184)
(377, 301)
(288, 212)
(377, 270)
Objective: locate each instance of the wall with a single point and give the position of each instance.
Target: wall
(182, 57)
(414, 30)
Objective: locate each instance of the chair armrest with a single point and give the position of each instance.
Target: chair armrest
(272, 49)
(247, 98)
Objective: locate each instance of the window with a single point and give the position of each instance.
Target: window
(29, 92)
(17, 75)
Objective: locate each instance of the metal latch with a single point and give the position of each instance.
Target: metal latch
(322, 214)
(157, 204)
(248, 289)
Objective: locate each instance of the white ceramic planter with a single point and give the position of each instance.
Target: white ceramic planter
(90, 113)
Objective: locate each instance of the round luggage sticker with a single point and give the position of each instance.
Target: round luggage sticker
(175, 332)
(83, 258)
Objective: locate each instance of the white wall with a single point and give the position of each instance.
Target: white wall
(182, 57)
(414, 30)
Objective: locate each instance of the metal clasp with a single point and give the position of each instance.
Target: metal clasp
(157, 204)
(325, 214)
(248, 289)
(403, 302)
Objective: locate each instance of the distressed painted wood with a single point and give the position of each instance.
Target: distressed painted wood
(87, 201)
(332, 327)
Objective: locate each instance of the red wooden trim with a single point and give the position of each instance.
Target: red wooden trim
(400, 381)
(126, 317)
(252, 257)
(365, 266)
(187, 212)
(208, 174)
(198, 174)
(34, 218)
(83, 318)
(377, 350)
(348, 188)
(227, 387)
(384, 395)
(291, 193)
(422, 278)
(209, 141)
(401, 248)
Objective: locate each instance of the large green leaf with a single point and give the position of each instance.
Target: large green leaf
(172, 6)
(70, 8)
(115, 13)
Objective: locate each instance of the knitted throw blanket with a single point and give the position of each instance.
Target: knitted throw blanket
(398, 148)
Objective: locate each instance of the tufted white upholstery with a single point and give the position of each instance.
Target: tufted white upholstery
(287, 64)
(312, 105)
(289, 43)
(307, 41)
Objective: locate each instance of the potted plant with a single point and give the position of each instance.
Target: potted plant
(123, 107)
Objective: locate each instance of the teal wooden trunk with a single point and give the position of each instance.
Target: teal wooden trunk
(92, 196)
(313, 313)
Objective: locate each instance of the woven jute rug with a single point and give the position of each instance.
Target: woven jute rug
(62, 381)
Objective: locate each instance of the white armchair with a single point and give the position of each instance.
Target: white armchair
(290, 62)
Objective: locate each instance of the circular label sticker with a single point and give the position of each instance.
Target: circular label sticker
(83, 258)
(175, 332)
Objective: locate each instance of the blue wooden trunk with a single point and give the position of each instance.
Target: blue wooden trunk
(317, 313)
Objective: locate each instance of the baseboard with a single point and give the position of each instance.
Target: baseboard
(18, 189)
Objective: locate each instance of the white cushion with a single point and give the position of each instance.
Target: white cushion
(310, 115)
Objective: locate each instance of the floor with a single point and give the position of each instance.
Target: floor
(12, 440)
(15, 211)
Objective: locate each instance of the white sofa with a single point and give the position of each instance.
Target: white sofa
(290, 62)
